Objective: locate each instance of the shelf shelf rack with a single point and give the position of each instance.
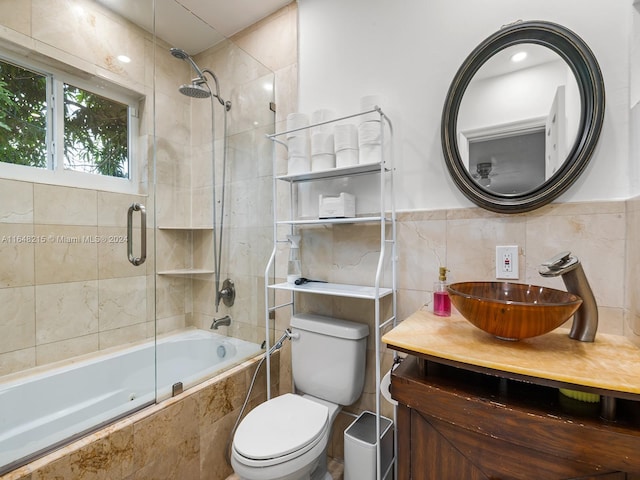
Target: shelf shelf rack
(386, 219)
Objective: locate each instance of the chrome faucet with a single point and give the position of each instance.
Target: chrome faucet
(221, 322)
(585, 320)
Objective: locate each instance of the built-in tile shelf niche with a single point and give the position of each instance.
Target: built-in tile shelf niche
(186, 271)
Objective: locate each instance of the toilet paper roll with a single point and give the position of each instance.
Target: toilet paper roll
(370, 154)
(322, 143)
(345, 136)
(369, 102)
(322, 162)
(369, 133)
(298, 145)
(296, 120)
(298, 165)
(385, 389)
(347, 157)
(319, 116)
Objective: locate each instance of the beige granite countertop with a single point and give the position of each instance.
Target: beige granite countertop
(611, 363)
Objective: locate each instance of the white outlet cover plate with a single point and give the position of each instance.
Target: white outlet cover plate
(503, 271)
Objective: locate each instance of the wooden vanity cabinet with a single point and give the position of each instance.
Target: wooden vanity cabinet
(465, 425)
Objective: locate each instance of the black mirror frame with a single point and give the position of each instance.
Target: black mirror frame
(573, 50)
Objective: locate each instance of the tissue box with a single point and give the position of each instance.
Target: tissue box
(342, 206)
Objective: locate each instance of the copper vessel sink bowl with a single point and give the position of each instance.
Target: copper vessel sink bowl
(513, 311)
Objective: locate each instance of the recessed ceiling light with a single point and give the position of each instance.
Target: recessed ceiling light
(518, 57)
(124, 59)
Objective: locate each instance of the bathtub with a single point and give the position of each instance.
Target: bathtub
(46, 409)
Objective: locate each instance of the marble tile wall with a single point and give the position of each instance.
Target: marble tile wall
(71, 289)
(183, 437)
(632, 267)
(65, 275)
(248, 229)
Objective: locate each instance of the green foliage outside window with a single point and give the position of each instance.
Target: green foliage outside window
(23, 116)
(95, 127)
(95, 133)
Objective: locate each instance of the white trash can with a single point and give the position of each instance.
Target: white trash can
(360, 448)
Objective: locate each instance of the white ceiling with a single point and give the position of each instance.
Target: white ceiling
(195, 25)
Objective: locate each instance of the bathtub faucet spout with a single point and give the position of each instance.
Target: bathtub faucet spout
(221, 322)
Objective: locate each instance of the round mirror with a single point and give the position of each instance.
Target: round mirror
(522, 117)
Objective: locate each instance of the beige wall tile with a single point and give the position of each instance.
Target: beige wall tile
(17, 360)
(17, 323)
(423, 251)
(64, 349)
(49, 25)
(471, 246)
(122, 302)
(113, 259)
(272, 41)
(17, 201)
(113, 208)
(598, 240)
(17, 255)
(632, 264)
(173, 249)
(65, 311)
(16, 14)
(54, 205)
(123, 335)
(68, 255)
(170, 295)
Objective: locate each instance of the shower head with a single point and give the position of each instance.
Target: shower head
(194, 90)
(179, 53)
(182, 55)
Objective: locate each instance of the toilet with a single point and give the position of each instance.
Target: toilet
(286, 437)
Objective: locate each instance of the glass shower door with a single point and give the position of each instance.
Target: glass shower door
(77, 335)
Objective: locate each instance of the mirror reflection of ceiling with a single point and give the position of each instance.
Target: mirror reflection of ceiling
(508, 98)
(188, 24)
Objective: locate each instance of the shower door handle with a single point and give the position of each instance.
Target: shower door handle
(137, 207)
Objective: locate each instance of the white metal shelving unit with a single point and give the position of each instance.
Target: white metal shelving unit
(385, 217)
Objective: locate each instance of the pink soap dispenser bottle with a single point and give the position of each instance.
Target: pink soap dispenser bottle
(441, 300)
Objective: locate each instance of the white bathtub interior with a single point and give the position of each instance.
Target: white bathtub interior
(50, 407)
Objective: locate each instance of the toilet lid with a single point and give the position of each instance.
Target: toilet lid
(280, 426)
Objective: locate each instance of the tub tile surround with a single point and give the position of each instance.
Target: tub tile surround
(68, 289)
(70, 282)
(182, 437)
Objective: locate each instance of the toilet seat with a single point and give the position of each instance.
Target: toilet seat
(291, 423)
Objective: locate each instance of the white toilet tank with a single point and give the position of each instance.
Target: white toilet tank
(328, 358)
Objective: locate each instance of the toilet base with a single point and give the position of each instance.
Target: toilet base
(319, 472)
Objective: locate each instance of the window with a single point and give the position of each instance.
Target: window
(52, 121)
(95, 133)
(23, 116)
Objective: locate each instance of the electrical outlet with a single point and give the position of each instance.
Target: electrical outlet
(507, 262)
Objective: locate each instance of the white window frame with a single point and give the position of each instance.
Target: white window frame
(55, 173)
